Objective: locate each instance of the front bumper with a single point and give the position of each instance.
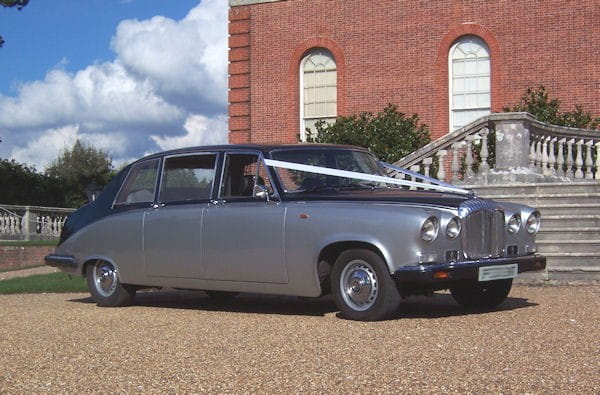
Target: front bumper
(440, 273)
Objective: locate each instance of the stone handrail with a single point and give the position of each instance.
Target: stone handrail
(31, 222)
(526, 150)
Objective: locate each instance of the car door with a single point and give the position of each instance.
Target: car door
(172, 227)
(242, 233)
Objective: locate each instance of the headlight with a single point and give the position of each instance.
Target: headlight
(429, 229)
(533, 223)
(514, 224)
(453, 228)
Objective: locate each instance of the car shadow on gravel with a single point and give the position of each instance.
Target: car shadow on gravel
(439, 306)
(443, 305)
(244, 303)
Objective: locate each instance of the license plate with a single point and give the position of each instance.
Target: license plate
(489, 273)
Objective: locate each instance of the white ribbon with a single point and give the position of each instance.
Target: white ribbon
(360, 176)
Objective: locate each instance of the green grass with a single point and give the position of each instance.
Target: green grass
(31, 243)
(42, 283)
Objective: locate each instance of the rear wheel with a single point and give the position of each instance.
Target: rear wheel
(105, 287)
(486, 294)
(362, 287)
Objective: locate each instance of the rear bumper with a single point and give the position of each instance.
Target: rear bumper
(61, 261)
(440, 273)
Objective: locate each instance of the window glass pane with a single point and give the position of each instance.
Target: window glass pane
(458, 85)
(483, 100)
(320, 78)
(483, 66)
(187, 178)
(471, 67)
(459, 101)
(241, 173)
(332, 78)
(483, 84)
(140, 184)
(458, 68)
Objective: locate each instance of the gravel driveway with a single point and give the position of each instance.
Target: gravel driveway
(541, 340)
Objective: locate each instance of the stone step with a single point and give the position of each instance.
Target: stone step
(573, 210)
(581, 273)
(557, 246)
(586, 187)
(584, 221)
(569, 233)
(572, 259)
(549, 199)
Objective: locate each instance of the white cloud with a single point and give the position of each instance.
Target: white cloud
(200, 130)
(166, 87)
(42, 151)
(185, 58)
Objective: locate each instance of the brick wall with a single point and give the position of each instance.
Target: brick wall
(396, 51)
(14, 257)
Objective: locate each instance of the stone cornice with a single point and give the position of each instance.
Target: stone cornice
(234, 3)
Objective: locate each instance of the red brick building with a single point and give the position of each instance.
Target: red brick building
(295, 61)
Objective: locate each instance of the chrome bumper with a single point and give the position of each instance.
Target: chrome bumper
(440, 273)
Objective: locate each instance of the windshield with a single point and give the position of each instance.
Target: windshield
(295, 181)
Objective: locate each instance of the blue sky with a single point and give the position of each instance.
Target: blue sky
(128, 76)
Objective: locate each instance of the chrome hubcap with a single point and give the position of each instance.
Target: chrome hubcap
(359, 286)
(105, 278)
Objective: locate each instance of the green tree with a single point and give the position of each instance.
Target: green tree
(23, 185)
(389, 134)
(12, 3)
(537, 102)
(77, 168)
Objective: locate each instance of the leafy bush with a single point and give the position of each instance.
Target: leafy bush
(536, 102)
(389, 134)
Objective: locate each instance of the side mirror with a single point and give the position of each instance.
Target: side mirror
(261, 191)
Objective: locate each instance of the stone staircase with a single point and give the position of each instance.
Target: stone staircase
(570, 232)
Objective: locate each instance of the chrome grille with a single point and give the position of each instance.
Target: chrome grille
(483, 234)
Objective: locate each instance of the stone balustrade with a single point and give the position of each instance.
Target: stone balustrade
(525, 150)
(31, 222)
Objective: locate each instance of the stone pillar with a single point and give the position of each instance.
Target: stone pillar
(512, 145)
(513, 153)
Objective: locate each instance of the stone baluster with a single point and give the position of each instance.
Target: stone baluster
(560, 160)
(426, 167)
(545, 170)
(455, 167)
(538, 155)
(569, 172)
(589, 162)
(598, 160)
(414, 169)
(551, 156)
(469, 173)
(484, 153)
(579, 161)
(441, 174)
(532, 156)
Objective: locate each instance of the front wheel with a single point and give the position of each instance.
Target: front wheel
(486, 294)
(105, 287)
(362, 287)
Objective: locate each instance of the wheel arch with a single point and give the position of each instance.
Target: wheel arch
(93, 259)
(332, 250)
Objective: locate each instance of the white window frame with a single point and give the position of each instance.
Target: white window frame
(451, 76)
(301, 103)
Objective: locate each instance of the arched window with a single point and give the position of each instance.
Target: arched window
(469, 71)
(318, 89)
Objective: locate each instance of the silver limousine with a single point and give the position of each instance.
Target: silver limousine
(299, 220)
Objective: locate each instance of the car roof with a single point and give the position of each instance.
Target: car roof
(266, 149)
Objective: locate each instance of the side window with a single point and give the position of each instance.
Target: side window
(187, 178)
(241, 173)
(140, 183)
